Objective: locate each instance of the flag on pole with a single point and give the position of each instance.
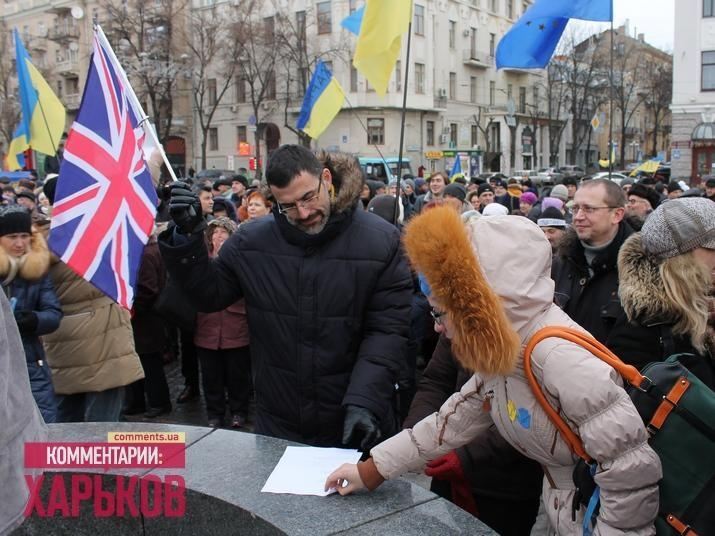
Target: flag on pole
(42, 118)
(105, 201)
(531, 42)
(378, 45)
(322, 102)
(456, 168)
(353, 21)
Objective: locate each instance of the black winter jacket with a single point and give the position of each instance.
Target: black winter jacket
(592, 302)
(328, 314)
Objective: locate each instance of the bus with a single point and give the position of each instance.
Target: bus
(385, 169)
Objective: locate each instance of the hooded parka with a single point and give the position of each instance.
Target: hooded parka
(585, 390)
(328, 314)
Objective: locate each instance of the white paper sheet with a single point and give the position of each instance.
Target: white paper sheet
(303, 470)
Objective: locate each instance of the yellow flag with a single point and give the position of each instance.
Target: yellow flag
(380, 38)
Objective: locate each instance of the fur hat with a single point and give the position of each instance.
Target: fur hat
(646, 193)
(495, 209)
(560, 192)
(679, 226)
(15, 219)
(483, 339)
(224, 223)
(28, 195)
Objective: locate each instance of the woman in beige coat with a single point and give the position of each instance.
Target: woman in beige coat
(504, 263)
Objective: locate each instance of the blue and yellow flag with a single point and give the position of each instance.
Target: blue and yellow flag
(533, 38)
(378, 45)
(456, 169)
(43, 115)
(323, 100)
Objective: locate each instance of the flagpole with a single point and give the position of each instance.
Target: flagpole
(611, 155)
(402, 124)
(134, 101)
(47, 125)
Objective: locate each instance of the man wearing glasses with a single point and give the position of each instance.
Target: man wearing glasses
(585, 269)
(327, 293)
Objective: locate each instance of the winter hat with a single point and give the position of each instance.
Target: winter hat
(407, 182)
(710, 183)
(384, 206)
(552, 202)
(50, 188)
(627, 182)
(673, 186)
(484, 188)
(224, 223)
(16, 219)
(419, 182)
(456, 190)
(495, 209)
(560, 192)
(646, 193)
(528, 197)
(679, 226)
(26, 183)
(374, 186)
(28, 195)
(551, 217)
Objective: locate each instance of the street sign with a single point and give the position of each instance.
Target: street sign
(595, 122)
(251, 119)
(230, 162)
(510, 121)
(510, 107)
(675, 154)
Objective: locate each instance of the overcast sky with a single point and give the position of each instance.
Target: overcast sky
(654, 18)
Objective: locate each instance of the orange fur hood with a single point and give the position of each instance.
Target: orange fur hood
(439, 247)
(31, 266)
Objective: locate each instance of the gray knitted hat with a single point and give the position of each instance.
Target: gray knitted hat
(560, 192)
(678, 226)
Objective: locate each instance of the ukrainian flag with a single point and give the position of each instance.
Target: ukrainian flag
(43, 115)
(378, 45)
(323, 100)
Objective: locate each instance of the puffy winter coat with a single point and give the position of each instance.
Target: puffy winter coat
(644, 332)
(586, 391)
(93, 349)
(328, 314)
(592, 301)
(32, 289)
(223, 329)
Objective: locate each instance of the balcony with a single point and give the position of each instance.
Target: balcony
(68, 68)
(474, 58)
(64, 33)
(72, 101)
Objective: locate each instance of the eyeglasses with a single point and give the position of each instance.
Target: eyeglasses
(588, 210)
(437, 316)
(307, 202)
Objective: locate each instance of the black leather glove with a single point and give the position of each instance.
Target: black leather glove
(360, 423)
(185, 209)
(26, 322)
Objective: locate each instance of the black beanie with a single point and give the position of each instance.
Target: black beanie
(49, 189)
(484, 188)
(15, 219)
(383, 206)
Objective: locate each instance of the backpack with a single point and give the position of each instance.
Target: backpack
(679, 413)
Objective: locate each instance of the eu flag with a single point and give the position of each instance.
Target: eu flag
(532, 40)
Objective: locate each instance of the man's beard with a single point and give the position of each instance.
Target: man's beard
(315, 228)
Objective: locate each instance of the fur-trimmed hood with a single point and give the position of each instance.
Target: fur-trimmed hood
(640, 287)
(31, 266)
(347, 179)
(481, 281)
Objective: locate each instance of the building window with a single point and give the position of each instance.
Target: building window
(269, 29)
(492, 44)
(398, 75)
(522, 100)
(211, 90)
(492, 93)
(494, 6)
(213, 139)
(59, 88)
(430, 132)
(536, 98)
(475, 135)
(510, 8)
(325, 20)
(708, 8)
(300, 25)
(708, 71)
(353, 79)
(420, 78)
(452, 34)
(453, 134)
(240, 89)
(473, 89)
(419, 22)
(452, 86)
(509, 92)
(375, 131)
(271, 85)
(242, 134)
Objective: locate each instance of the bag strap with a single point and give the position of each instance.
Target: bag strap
(586, 341)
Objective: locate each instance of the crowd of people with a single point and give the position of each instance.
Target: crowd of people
(346, 328)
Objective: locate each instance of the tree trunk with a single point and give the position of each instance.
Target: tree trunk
(259, 170)
(204, 133)
(655, 133)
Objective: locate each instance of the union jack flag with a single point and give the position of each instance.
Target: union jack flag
(105, 202)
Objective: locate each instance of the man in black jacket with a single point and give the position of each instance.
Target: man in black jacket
(327, 293)
(585, 270)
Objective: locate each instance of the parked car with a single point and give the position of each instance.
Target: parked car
(615, 177)
(214, 174)
(551, 175)
(572, 171)
(384, 169)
